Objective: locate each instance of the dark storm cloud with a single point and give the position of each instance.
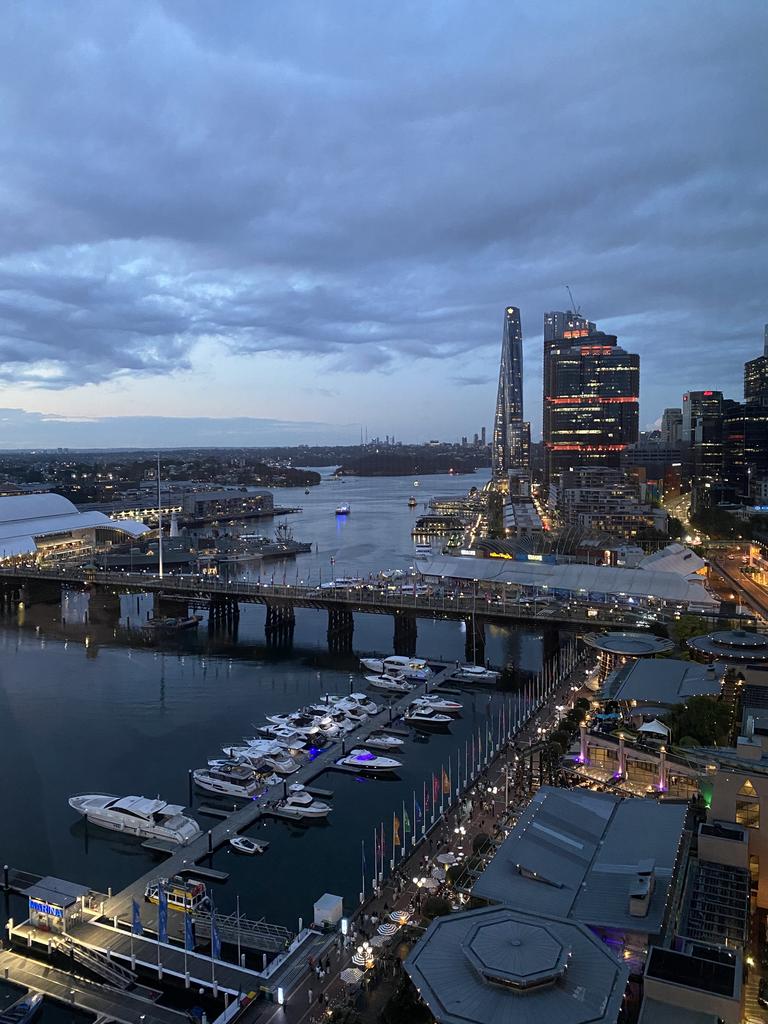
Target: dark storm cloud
(372, 183)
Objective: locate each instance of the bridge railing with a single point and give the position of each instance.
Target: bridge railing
(441, 599)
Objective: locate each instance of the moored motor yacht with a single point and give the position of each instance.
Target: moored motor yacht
(228, 780)
(372, 665)
(289, 739)
(384, 742)
(363, 701)
(271, 754)
(437, 703)
(365, 761)
(475, 674)
(137, 815)
(300, 804)
(390, 684)
(426, 718)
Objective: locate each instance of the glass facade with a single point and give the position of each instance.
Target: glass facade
(511, 434)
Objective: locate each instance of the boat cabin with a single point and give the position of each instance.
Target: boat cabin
(183, 894)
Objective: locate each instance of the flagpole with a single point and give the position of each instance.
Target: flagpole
(413, 830)
(375, 858)
(424, 808)
(362, 891)
(238, 928)
(442, 787)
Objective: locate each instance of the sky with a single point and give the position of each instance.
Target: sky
(277, 223)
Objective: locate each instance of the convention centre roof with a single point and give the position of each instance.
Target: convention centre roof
(27, 518)
(573, 577)
(665, 681)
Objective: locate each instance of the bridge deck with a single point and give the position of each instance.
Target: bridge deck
(371, 598)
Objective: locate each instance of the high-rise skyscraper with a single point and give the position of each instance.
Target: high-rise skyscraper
(591, 393)
(756, 416)
(511, 434)
(672, 426)
(559, 326)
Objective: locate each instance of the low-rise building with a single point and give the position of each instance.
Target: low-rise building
(647, 688)
(602, 500)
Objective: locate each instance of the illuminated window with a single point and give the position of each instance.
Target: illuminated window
(747, 814)
(747, 789)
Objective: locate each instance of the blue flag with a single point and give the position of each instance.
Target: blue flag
(162, 913)
(419, 815)
(189, 937)
(215, 940)
(136, 926)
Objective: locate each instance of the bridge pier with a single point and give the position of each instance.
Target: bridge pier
(405, 635)
(103, 607)
(341, 627)
(279, 625)
(474, 641)
(10, 597)
(223, 615)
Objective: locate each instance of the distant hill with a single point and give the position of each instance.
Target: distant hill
(391, 463)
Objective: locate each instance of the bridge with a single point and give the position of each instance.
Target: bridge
(474, 605)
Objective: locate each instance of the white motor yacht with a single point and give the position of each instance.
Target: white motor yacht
(272, 755)
(288, 738)
(390, 684)
(384, 742)
(476, 674)
(300, 804)
(137, 815)
(432, 700)
(365, 761)
(363, 701)
(375, 665)
(415, 669)
(426, 718)
(228, 780)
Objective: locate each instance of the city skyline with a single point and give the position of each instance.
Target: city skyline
(247, 217)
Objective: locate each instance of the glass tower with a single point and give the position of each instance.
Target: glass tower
(511, 435)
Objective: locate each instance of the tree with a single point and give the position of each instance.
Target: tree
(704, 720)
(435, 906)
(687, 627)
(480, 842)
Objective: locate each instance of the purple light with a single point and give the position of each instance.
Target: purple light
(366, 757)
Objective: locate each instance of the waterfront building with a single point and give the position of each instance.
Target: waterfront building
(647, 688)
(511, 434)
(608, 862)
(591, 396)
(505, 964)
(547, 580)
(621, 648)
(227, 503)
(44, 527)
(601, 499)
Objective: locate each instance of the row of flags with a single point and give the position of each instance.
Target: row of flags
(137, 928)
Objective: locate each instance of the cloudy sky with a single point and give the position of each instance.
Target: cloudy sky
(290, 219)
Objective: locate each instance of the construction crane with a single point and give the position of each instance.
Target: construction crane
(576, 309)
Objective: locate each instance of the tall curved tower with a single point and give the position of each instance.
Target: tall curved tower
(511, 435)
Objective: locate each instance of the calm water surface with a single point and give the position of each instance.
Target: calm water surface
(84, 708)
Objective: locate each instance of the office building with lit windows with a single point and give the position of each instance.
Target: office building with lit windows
(511, 434)
(591, 399)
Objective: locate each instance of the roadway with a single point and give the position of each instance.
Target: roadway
(754, 595)
(372, 597)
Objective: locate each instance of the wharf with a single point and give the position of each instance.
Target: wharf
(107, 1003)
(184, 858)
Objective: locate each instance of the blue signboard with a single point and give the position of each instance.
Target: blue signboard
(45, 908)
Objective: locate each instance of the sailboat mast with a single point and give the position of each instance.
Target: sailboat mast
(159, 520)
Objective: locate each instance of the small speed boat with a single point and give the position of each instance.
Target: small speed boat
(23, 1010)
(431, 700)
(367, 762)
(384, 742)
(245, 845)
(426, 718)
(343, 510)
(390, 684)
(412, 503)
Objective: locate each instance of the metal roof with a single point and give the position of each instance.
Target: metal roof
(575, 853)
(498, 964)
(573, 577)
(57, 891)
(28, 517)
(662, 680)
(674, 558)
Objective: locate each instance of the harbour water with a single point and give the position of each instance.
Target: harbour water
(84, 709)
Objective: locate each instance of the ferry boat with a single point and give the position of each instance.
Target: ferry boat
(300, 804)
(390, 684)
(384, 742)
(24, 1010)
(367, 762)
(448, 707)
(182, 894)
(475, 674)
(426, 718)
(343, 510)
(137, 815)
(228, 780)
